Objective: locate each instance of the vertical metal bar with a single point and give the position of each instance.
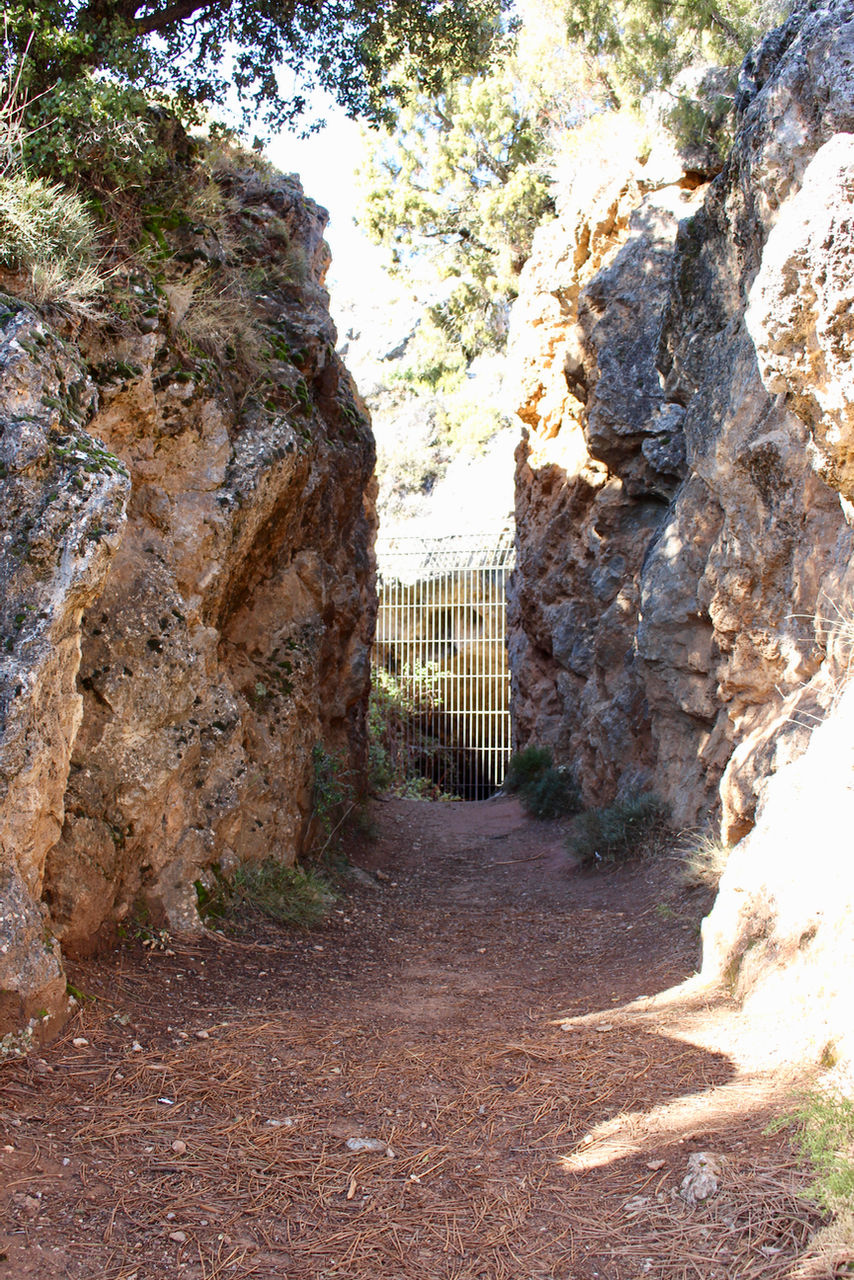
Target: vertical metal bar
(489, 678)
(433, 650)
(417, 681)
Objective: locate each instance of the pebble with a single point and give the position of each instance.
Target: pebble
(203, 1035)
(179, 1147)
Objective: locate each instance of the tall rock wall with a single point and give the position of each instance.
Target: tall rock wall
(683, 616)
(683, 363)
(601, 459)
(227, 627)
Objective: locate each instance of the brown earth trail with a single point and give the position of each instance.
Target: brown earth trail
(487, 1016)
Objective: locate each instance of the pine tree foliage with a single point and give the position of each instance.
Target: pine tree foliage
(643, 45)
(461, 181)
(686, 51)
(463, 178)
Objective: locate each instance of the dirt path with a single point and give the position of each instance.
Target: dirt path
(488, 1017)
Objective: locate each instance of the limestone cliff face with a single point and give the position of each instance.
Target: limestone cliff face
(62, 499)
(684, 598)
(780, 937)
(226, 633)
(684, 490)
(603, 454)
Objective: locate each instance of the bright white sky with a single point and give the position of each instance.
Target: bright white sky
(326, 163)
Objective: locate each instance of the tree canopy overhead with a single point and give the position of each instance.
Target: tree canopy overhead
(273, 51)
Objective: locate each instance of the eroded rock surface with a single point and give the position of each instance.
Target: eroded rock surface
(780, 936)
(684, 363)
(62, 511)
(603, 455)
(228, 650)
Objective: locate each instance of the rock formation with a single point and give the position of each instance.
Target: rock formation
(603, 455)
(682, 613)
(62, 499)
(683, 372)
(780, 936)
(226, 634)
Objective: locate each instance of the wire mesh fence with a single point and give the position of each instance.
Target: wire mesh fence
(442, 684)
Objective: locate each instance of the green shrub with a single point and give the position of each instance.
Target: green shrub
(48, 236)
(96, 132)
(333, 788)
(824, 1134)
(289, 895)
(554, 794)
(40, 222)
(404, 757)
(525, 767)
(546, 790)
(620, 831)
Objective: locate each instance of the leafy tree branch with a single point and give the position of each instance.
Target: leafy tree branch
(194, 50)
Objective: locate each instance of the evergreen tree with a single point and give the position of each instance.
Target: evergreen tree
(461, 181)
(647, 46)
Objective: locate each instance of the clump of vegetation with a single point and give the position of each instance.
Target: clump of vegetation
(703, 860)
(525, 766)
(545, 789)
(621, 831)
(823, 1127)
(688, 51)
(200, 52)
(47, 235)
(95, 132)
(826, 1137)
(404, 758)
(295, 896)
(332, 799)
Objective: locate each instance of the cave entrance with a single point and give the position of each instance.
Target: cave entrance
(441, 701)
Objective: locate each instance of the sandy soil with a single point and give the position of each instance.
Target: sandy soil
(507, 1031)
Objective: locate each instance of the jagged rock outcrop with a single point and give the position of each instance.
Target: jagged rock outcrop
(62, 501)
(780, 937)
(603, 456)
(683, 548)
(231, 635)
(684, 597)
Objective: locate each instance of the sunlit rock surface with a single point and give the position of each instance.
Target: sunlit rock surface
(684, 599)
(781, 935)
(603, 456)
(62, 505)
(226, 633)
(683, 547)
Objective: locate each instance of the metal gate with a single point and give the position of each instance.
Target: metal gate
(440, 660)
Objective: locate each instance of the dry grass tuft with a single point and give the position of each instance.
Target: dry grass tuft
(219, 321)
(702, 860)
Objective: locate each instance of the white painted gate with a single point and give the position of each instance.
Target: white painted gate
(440, 646)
